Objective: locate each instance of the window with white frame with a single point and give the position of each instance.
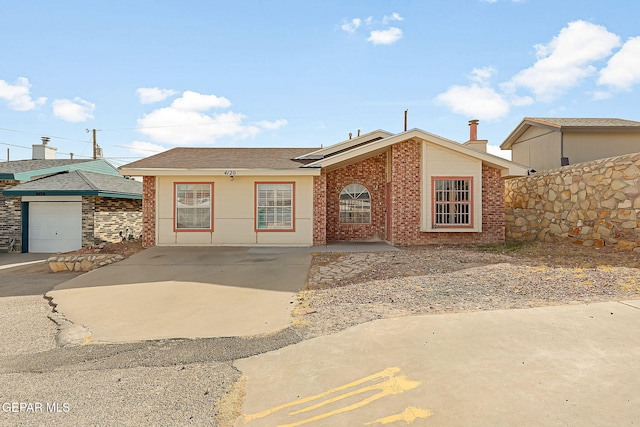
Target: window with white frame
(274, 206)
(193, 206)
(355, 205)
(452, 202)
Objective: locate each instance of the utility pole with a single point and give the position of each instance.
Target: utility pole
(95, 145)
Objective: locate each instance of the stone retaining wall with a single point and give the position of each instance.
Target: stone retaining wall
(593, 203)
(63, 263)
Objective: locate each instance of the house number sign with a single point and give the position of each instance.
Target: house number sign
(230, 173)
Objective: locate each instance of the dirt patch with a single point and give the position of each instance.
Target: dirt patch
(125, 248)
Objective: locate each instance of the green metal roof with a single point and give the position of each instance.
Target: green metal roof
(26, 170)
(79, 183)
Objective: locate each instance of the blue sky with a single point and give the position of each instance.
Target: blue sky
(152, 75)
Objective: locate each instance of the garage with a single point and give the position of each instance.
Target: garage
(55, 226)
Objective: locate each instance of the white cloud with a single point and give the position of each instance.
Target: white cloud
(496, 151)
(475, 101)
(394, 17)
(388, 36)
(187, 121)
(264, 124)
(194, 101)
(145, 148)
(482, 75)
(76, 110)
(18, 95)
(149, 95)
(520, 101)
(601, 95)
(623, 70)
(564, 61)
(351, 26)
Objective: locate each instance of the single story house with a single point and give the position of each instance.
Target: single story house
(549, 143)
(410, 188)
(57, 205)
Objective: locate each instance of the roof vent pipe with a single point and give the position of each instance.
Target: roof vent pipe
(358, 132)
(473, 130)
(350, 135)
(406, 113)
(45, 140)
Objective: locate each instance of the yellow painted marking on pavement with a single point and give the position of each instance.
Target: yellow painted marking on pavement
(409, 415)
(392, 384)
(387, 373)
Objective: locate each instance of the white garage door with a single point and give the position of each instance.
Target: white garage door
(55, 226)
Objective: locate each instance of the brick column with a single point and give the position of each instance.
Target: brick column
(493, 215)
(148, 211)
(320, 209)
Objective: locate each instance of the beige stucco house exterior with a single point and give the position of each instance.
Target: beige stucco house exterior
(548, 143)
(409, 188)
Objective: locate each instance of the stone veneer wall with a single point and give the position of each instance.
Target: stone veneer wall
(148, 211)
(406, 203)
(113, 215)
(370, 173)
(10, 217)
(593, 203)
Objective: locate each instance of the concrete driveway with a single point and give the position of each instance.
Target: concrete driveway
(187, 292)
(568, 365)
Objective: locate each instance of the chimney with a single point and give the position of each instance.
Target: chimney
(44, 151)
(473, 130)
(474, 142)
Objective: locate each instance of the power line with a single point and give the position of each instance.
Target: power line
(44, 133)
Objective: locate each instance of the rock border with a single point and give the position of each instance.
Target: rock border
(66, 263)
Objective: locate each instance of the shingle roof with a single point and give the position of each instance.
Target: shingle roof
(224, 158)
(584, 122)
(568, 124)
(80, 183)
(26, 170)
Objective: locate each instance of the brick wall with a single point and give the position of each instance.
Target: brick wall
(148, 211)
(320, 209)
(493, 214)
(10, 217)
(371, 174)
(406, 221)
(113, 215)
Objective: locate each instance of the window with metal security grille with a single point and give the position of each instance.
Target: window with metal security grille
(355, 205)
(193, 206)
(274, 206)
(452, 202)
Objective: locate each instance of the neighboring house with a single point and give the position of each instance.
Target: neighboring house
(548, 143)
(410, 188)
(58, 205)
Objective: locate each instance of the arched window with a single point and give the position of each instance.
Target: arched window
(355, 205)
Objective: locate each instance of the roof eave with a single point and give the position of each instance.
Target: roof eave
(303, 171)
(15, 193)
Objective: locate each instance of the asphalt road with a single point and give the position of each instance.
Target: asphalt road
(162, 382)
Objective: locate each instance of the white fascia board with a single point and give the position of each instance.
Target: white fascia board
(345, 144)
(218, 172)
(507, 167)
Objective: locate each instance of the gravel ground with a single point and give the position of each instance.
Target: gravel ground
(183, 395)
(435, 280)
